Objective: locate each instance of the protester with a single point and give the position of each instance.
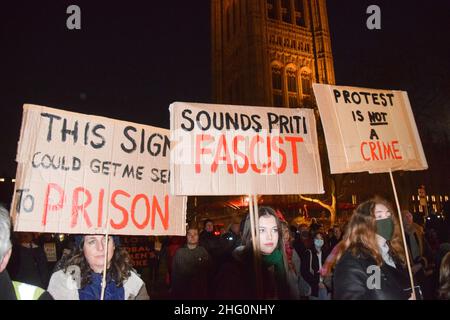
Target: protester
(314, 226)
(190, 270)
(28, 261)
(216, 247)
(371, 247)
(231, 239)
(298, 287)
(312, 261)
(417, 246)
(174, 243)
(335, 237)
(303, 241)
(81, 277)
(13, 290)
(237, 279)
(208, 239)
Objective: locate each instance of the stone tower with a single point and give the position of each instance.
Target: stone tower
(269, 52)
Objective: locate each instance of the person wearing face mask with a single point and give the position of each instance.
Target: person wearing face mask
(370, 258)
(311, 263)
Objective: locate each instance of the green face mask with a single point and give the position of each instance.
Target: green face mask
(385, 228)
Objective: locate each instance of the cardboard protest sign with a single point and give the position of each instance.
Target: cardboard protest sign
(235, 150)
(369, 130)
(85, 174)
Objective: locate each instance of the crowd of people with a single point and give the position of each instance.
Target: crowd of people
(362, 259)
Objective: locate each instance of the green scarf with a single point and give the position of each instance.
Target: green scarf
(275, 259)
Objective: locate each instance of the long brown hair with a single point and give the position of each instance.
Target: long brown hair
(119, 269)
(360, 235)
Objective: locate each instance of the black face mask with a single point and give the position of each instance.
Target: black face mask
(385, 228)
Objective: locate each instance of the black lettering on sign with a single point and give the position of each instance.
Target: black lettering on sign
(158, 175)
(65, 131)
(377, 118)
(27, 202)
(190, 125)
(131, 171)
(207, 118)
(287, 124)
(50, 117)
(102, 142)
(373, 134)
(357, 115)
(47, 161)
(358, 97)
(130, 138)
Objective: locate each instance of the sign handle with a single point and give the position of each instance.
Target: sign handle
(102, 297)
(408, 263)
(254, 227)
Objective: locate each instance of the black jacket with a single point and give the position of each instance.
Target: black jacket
(352, 273)
(310, 269)
(236, 280)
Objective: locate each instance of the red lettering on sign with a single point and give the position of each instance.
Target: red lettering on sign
(281, 152)
(147, 211)
(52, 207)
(222, 148)
(396, 151)
(253, 143)
(200, 151)
(157, 208)
(240, 154)
(379, 150)
(100, 207)
(124, 211)
(272, 146)
(294, 141)
(76, 207)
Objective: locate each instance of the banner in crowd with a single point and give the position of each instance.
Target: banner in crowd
(86, 174)
(141, 251)
(369, 130)
(236, 150)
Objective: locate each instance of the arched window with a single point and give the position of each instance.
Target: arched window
(306, 83)
(291, 80)
(286, 10)
(277, 86)
(291, 77)
(271, 14)
(299, 13)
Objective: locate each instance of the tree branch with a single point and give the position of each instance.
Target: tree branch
(326, 206)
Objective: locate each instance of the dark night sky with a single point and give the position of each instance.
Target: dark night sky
(132, 59)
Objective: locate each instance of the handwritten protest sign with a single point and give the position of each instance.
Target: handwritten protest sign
(235, 150)
(86, 174)
(369, 130)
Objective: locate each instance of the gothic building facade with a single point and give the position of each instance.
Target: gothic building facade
(269, 52)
